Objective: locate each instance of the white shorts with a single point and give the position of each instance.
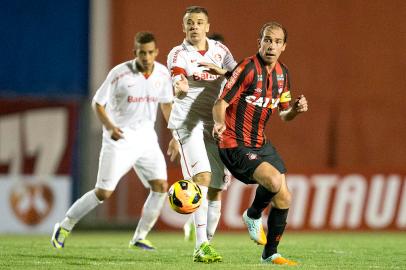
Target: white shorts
(138, 150)
(201, 155)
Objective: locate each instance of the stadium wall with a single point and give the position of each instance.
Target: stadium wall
(346, 57)
(43, 80)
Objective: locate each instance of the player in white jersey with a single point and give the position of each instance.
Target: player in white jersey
(196, 89)
(218, 171)
(127, 104)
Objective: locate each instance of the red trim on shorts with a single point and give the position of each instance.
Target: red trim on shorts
(183, 155)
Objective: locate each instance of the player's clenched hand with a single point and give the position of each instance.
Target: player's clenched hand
(173, 149)
(212, 68)
(181, 86)
(218, 130)
(301, 104)
(116, 133)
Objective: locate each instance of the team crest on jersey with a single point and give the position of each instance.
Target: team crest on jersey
(260, 78)
(218, 57)
(280, 77)
(252, 156)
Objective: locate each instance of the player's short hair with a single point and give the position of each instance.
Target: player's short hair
(196, 9)
(274, 25)
(144, 37)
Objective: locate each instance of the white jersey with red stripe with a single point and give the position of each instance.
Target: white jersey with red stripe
(130, 98)
(204, 88)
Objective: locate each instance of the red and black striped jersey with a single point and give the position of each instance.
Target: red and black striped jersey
(253, 94)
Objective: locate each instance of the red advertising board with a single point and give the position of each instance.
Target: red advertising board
(321, 201)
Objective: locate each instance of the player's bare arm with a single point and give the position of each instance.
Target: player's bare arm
(173, 146)
(115, 132)
(219, 112)
(212, 68)
(173, 149)
(166, 110)
(299, 106)
(181, 86)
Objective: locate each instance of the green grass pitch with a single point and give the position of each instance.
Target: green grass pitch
(108, 250)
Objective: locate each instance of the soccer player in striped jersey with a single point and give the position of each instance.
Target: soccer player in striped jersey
(126, 104)
(258, 87)
(192, 65)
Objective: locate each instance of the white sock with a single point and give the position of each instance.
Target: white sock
(79, 209)
(150, 213)
(200, 218)
(188, 224)
(213, 217)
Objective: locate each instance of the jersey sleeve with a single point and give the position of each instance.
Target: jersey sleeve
(285, 97)
(177, 63)
(229, 62)
(166, 90)
(102, 94)
(240, 79)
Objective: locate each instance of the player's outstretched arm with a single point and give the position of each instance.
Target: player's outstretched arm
(213, 69)
(299, 106)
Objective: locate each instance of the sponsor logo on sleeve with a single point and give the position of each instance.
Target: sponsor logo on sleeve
(234, 77)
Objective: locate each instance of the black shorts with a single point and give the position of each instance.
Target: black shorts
(242, 161)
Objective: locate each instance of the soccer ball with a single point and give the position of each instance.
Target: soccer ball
(184, 196)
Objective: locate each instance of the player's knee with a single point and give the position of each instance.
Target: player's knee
(102, 194)
(163, 186)
(159, 186)
(202, 178)
(274, 182)
(214, 194)
(287, 199)
(283, 200)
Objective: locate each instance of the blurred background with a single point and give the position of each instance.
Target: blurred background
(346, 157)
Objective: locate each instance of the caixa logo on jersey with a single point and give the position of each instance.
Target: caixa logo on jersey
(263, 102)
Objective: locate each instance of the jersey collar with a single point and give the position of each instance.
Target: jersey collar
(262, 62)
(189, 47)
(135, 69)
